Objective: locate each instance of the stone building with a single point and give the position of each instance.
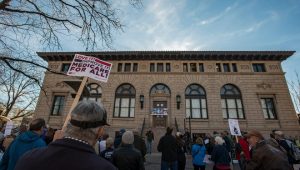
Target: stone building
(198, 90)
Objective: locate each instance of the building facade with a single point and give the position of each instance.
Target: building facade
(198, 90)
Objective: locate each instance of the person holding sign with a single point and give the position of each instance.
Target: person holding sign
(76, 149)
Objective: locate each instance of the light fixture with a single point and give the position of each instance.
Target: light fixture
(142, 101)
(178, 100)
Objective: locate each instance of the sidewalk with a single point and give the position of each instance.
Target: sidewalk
(153, 163)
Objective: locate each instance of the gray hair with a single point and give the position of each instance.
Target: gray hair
(219, 140)
(86, 111)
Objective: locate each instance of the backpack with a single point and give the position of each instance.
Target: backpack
(294, 150)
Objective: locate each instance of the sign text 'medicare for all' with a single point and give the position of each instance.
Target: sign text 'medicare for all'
(91, 67)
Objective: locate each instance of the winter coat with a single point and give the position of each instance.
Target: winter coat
(139, 144)
(244, 148)
(63, 154)
(220, 155)
(23, 143)
(168, 146)
(265, 156)
(126, 157)
(198, 154)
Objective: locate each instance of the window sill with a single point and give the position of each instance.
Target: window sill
(197, 120)
(123, 118)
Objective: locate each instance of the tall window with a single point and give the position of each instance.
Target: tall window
(127, 67)
(259, 67)
(218, 67)
(226, 67)
(120, 67)
(232, 105)
(152, 67)
(201, 67)
(58, 105)
(193, 67)
(135, 67)
(160, 67)
(195, 102)
(124, 101)
(168, 67)
(65, 67)
(95, 91)
(185, 67)
(268, 108)
(234, 68)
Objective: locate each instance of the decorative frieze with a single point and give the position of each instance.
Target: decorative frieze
(263, 85)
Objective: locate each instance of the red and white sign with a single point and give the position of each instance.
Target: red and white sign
(90, 67)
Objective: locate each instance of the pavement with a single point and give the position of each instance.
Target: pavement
(153, 163)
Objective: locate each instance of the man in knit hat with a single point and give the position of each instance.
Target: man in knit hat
(126, 156)
(76, 149)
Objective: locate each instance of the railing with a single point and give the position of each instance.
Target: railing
(176, 125)
(143, 127)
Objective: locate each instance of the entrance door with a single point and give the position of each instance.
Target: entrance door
(160, 120)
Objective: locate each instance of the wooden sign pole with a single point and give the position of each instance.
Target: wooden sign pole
(75, 102)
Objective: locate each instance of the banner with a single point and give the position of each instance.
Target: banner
(159, 111)
(234, 127)
(90, 67)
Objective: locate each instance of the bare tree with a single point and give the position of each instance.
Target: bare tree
(18, 93)
(93, 20)
(294, 87)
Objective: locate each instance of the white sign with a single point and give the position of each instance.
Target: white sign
(9, 126)
(234, 127)
(159, 111)
(89, 66)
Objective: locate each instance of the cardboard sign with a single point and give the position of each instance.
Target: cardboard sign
(234, 127)
(90, 67)
(9, 126)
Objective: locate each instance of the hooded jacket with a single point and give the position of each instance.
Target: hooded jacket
(23, 143)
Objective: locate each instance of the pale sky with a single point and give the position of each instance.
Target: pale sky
(209, 25)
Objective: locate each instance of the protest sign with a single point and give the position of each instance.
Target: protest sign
(90, 67)
(9, 126)
(234, 127)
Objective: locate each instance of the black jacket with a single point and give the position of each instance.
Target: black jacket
(139, 144)
(126, 157)
(63, 154)
(220, 155)
(168, 146)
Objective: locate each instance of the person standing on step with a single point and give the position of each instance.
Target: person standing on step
(168, 146)
(150, 139)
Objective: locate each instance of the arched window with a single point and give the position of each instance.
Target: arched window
(124, 101)
(195, 102)
(95, 92)
(232, 104)
(160, 89)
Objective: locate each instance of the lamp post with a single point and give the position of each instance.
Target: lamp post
(178, 100)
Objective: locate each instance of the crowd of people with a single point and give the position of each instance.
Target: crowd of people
(85, 145)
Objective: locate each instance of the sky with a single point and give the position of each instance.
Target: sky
(209, 25)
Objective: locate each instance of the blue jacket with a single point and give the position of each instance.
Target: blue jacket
(23, 143)
(198, 154)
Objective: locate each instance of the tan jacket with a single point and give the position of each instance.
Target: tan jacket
(7, 141)
(267, 157)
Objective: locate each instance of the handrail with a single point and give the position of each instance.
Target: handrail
(143, 126)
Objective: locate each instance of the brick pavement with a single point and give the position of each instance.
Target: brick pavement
(153, 163)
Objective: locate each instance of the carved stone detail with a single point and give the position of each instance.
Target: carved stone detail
(53, 66)
(209, 67)
(176, 66)
(273, 67)
(263, 85)
(245, 67)
(143, 66)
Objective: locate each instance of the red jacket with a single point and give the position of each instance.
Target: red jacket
(245, 149)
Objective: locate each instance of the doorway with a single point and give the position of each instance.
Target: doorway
(160, 117)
